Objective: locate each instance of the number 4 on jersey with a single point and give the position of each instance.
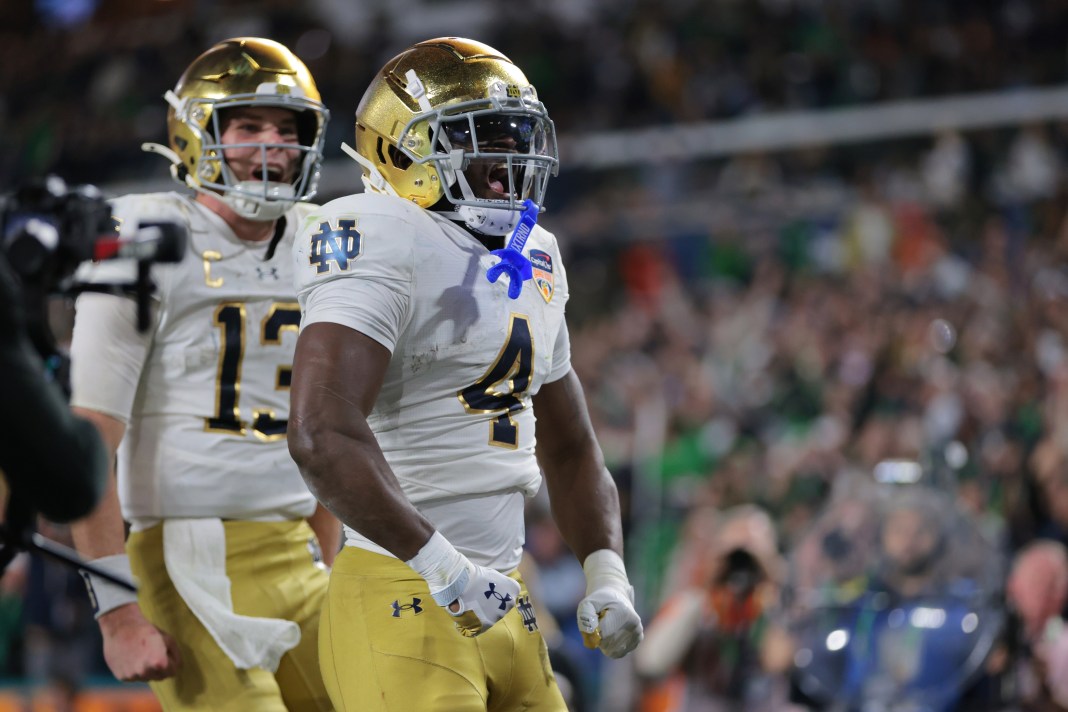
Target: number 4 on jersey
(504, 385)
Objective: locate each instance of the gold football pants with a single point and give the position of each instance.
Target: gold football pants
(272, 574)
(385, 645)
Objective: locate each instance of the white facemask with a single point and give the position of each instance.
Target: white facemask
(270, 202)
(488, 221)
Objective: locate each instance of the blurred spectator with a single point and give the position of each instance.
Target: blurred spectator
(902, 611)
(560, 576)
(62, 643)
(1033, 169)
(712, 645)
(557, 584)
(945, 170)
(1037, 589)
(1038, 586)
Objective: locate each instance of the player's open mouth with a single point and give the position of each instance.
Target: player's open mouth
(274, 175)
(497, 179)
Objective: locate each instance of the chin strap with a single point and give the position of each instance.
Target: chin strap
(513, 262)
(417, 90)
(162, 150)
(373, 180)
(177, 167)
(170, 155)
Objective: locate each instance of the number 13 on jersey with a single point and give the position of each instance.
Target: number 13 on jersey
(230, 318)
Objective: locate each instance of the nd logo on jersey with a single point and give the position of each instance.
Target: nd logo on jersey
(541, 264)
(334, 245)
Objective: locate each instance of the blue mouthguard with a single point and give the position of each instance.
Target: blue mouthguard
(513, 263)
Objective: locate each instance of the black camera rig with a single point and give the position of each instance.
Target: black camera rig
(46, 231)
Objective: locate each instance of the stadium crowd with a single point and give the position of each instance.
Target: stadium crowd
(81, 89)
(754, 330)
(788, 331)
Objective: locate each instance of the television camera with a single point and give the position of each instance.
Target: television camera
(47, 230)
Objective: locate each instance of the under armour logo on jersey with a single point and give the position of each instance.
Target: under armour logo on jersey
(334, 245)
(493, 592)
(527, 611)
(264, 273)
(414, 607)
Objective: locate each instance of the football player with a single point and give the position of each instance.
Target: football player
(415, 389)
(224, 532)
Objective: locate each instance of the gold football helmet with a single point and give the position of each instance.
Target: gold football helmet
(244, 71)
(443, 106)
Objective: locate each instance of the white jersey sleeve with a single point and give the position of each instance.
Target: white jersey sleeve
(561, 355)
(562, 350)
(108, 352)
(109, 355)
(345, 278)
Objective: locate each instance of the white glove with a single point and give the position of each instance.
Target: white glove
(487, 598)
(477, 597)
(606, 616)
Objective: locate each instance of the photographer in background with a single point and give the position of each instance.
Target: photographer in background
(54, 463)
(712, 645)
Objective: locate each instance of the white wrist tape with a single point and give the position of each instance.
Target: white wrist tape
(103, 594)
(446, 570)
(605, 568)
(606, 616)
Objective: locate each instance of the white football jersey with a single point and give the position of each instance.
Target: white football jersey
(206, 415)
(454, 416)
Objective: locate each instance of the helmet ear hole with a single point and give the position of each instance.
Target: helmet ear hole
(307, 128)
(398, 159)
